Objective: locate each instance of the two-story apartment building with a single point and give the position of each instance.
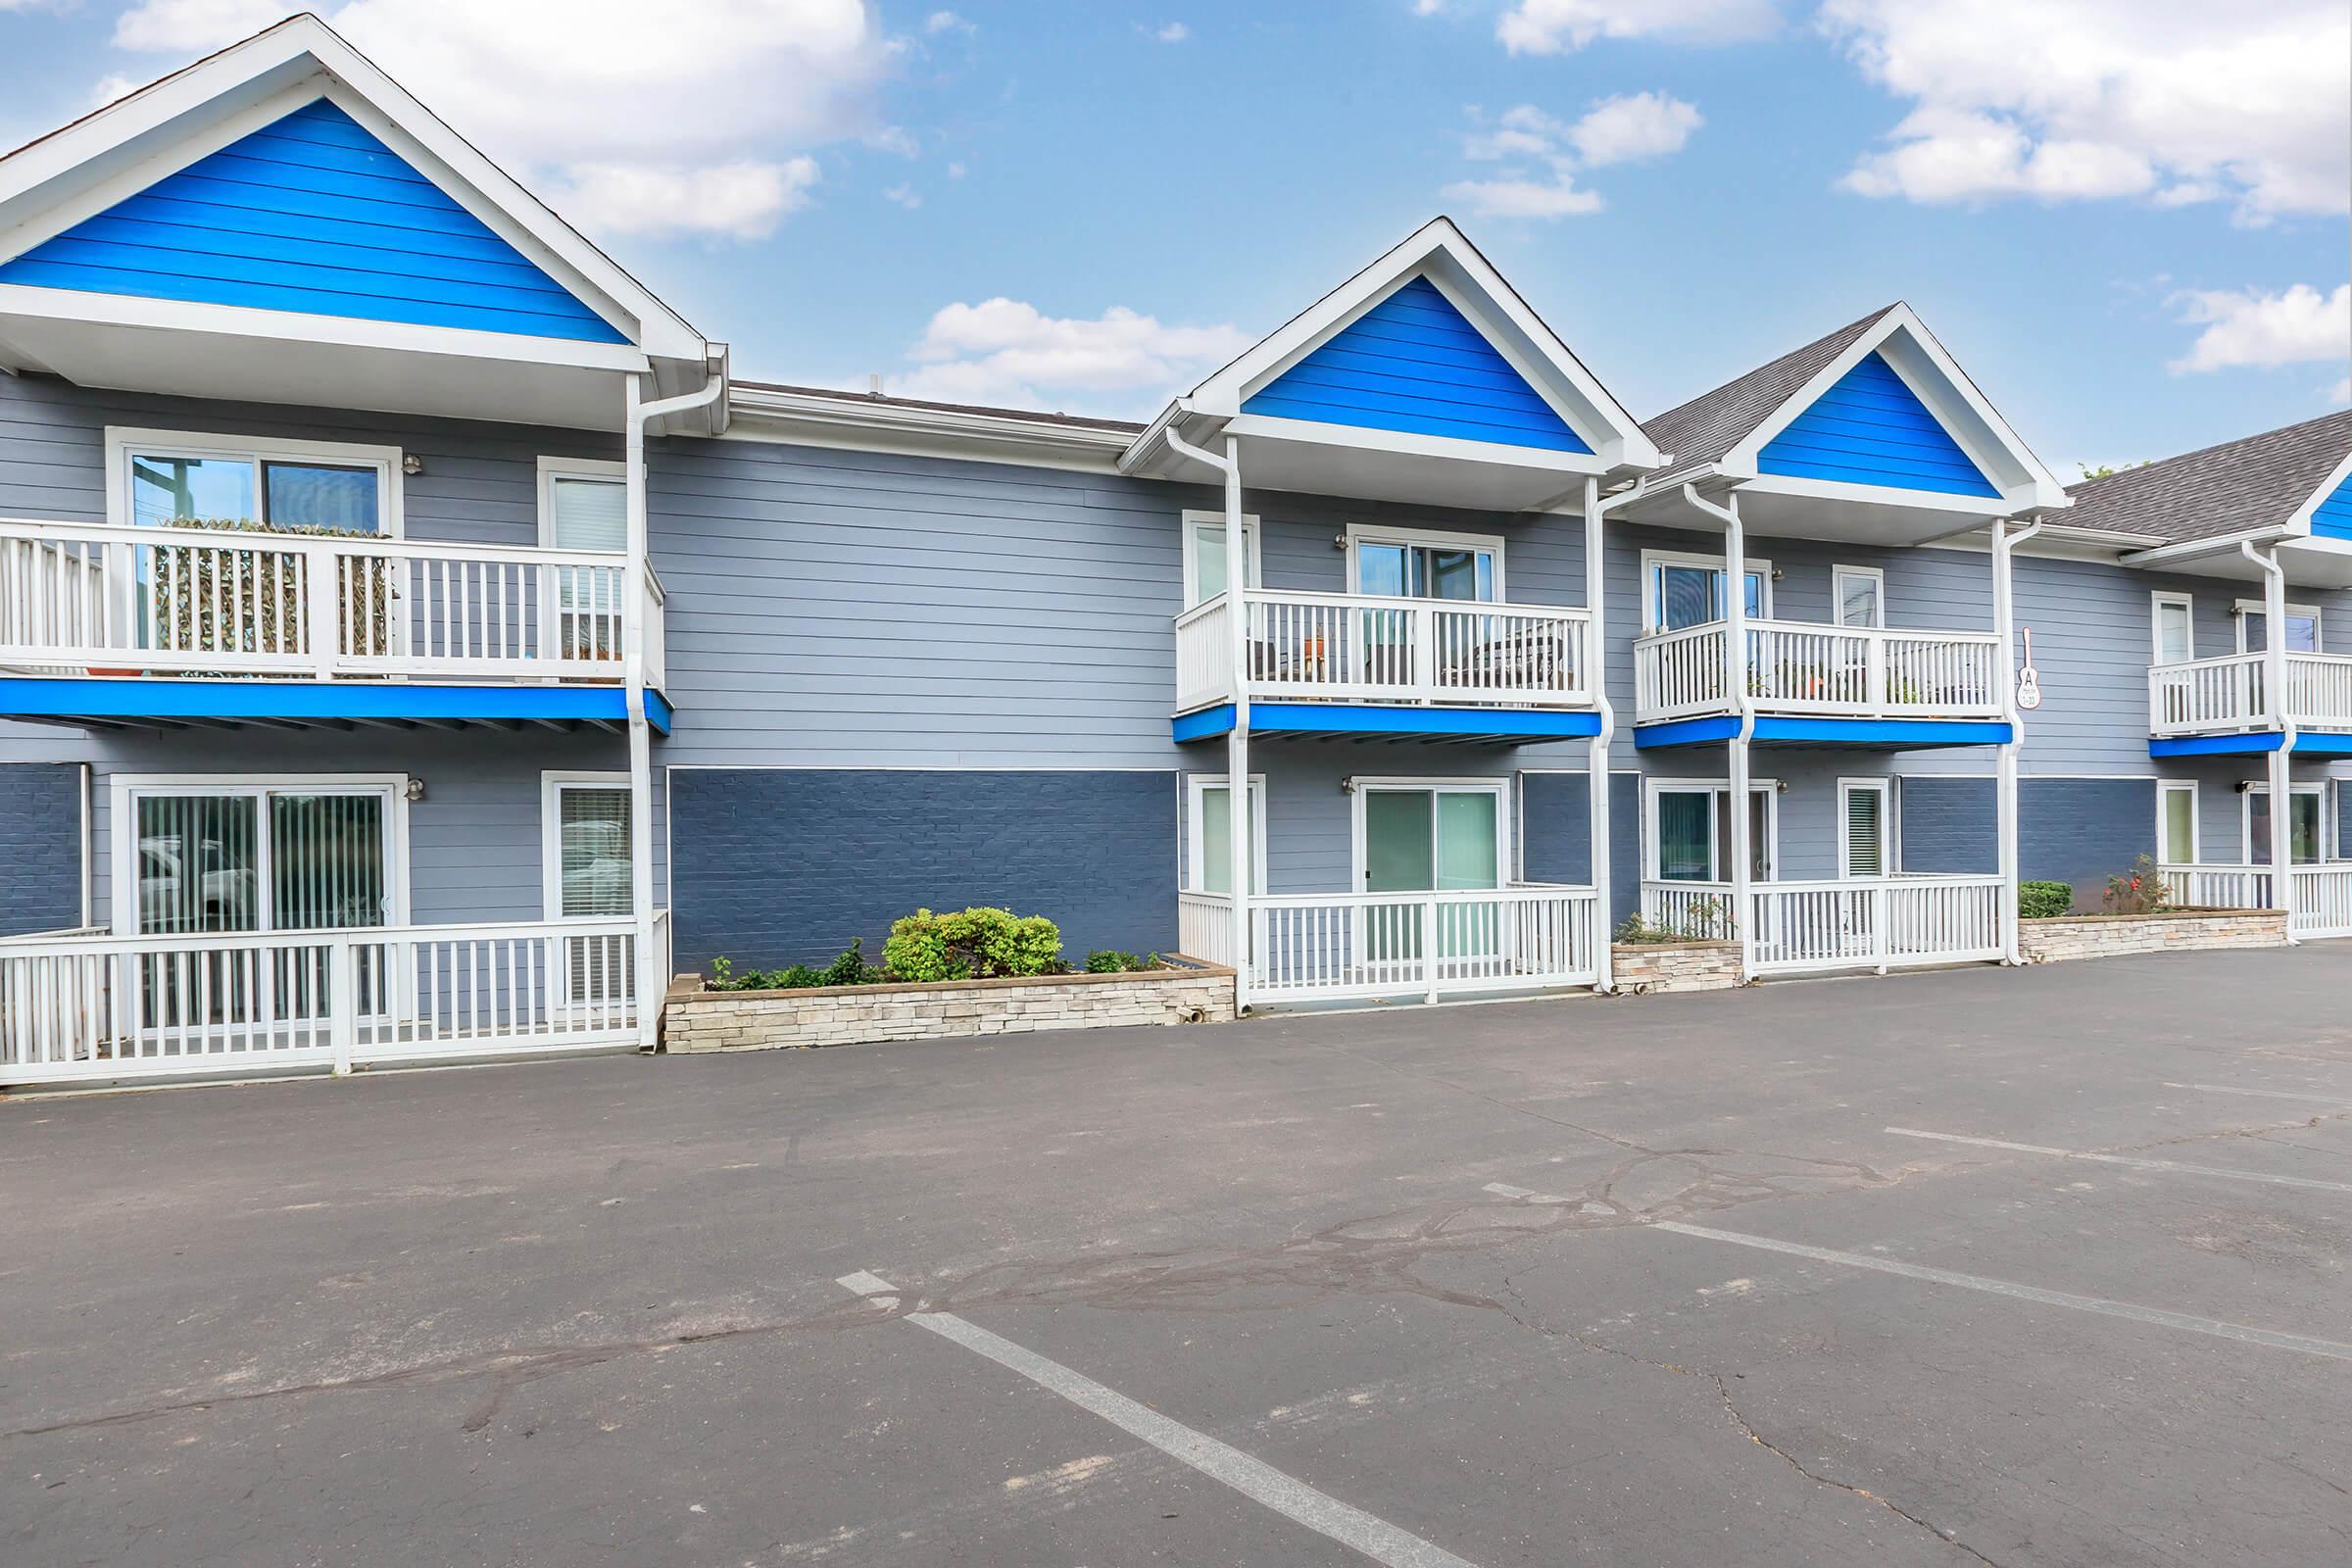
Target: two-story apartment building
(414, 642)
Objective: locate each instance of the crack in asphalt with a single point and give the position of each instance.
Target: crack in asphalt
(1521, 1315)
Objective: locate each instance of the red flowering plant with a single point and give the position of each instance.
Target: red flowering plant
(2138, 891)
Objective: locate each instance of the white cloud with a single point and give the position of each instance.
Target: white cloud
(1547, 153)
(906, 196)
(1641, 125)
(1009, 351)
(741, 92)
(2178, 100)
(1554, 27)
(2341, 392)
(740, 200)
(2249, 327)
(1172, 33)
(947, 22)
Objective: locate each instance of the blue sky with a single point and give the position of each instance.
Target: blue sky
(2136, 239)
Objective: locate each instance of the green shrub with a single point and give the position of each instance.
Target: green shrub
(850, 969)
(1111, 960)
(225, 598)
(976, 944)
(1705, 920)
(2045, 900)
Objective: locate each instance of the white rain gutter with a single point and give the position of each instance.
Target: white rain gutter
(1241, 831)
(652, 985)
(2273, 661)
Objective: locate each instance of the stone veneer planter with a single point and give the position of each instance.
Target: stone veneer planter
(1646, 968)
(2105, 936)
(693, 1019)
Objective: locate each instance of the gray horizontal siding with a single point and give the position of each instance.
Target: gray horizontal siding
(479, 484)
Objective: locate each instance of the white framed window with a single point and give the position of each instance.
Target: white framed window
(1865, 836)
(2306, 822)
(1431, 835)
(583, 504)
(2302, 627)
(1681, 590)
(1858, 596)
(1208, 833)
(160, 477)
(2177, 822)
(197, 854)
(1424, 563)
(584, 824)
(2172, 628)
(1687, 834)
(1204, 554)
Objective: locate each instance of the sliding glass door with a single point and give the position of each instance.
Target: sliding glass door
(1431, 838)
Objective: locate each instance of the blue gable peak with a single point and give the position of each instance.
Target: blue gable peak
(1871, 429)
(2332, 518)
(1414, 364)
(312, 213)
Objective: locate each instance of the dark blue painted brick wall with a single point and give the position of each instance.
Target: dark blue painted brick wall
(2075, 830)
(785, 866)
(1558, 825)
(40, 846)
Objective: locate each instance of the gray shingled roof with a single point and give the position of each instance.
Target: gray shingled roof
(1705, 428)
(1040, 415)
(2255, 482)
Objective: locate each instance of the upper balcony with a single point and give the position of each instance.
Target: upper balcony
(2218, 706)
(1917, 685)
(1325, 662)
(126, 624)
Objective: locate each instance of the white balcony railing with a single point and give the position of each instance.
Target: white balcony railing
(76, 1006)
(2222, 696)
(1204, 926)
(2323, 893)
(90, 598)
(1845, 923)
(1328, 946)
(1305, 647)
(1798, 667)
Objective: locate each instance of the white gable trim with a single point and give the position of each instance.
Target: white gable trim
(2301, 522)
(1440, 251)
(129, 144)
(1938, 382)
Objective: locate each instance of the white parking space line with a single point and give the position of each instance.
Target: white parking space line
(2323, 1095)
(2133, 1160)
(2267, 1338)
(1254, 1479)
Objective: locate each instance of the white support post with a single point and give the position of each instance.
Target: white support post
(2279, 712)
(2005, 819)
(342, 1001)
(323, 606)
(1241, 829)
(1735, 584)
(649, 986)
(1594, 674)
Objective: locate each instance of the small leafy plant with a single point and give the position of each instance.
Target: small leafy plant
(1111, 960)
(219, 598)
(2138, 891)
(1702, 920)
(975, 943)
(850, 969)
(2045, 900)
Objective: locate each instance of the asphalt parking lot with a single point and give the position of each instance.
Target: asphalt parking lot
(2036, 1267)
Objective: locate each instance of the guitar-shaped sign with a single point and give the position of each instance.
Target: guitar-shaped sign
(2028, 679)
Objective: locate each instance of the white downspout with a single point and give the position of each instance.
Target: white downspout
(2004, 624)
(1240, 830)
(636, 414)
(1735, 594)
(2273, 660)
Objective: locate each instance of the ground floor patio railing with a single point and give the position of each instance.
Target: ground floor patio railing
(1333, 946)
(1841, 923)
(2323, 894)
(81, 1006)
